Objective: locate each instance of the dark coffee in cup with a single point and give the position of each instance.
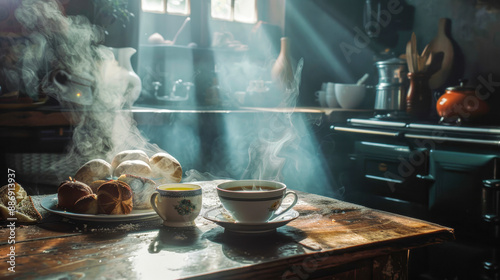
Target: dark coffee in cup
(250, 188)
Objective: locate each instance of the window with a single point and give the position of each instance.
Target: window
(180, 7)
(230, 10)
(234, 10)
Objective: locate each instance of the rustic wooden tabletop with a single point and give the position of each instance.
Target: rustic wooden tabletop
(330, 237)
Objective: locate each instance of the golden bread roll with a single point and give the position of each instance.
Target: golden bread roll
(165, 168)
(96, 169)
(142, 188)
(96, 184)
(114, 198)
(87, 205)
(69, 192)
(129, 155)
(133, 167)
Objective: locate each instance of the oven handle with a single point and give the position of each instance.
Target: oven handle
(365, 131)
(427, 178)
(383, 179)
(454, 139)
(416, 136)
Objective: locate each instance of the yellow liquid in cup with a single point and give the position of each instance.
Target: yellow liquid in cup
(167, 188)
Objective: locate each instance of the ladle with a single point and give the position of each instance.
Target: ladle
(168, 42)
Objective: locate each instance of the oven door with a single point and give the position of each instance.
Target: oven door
(386, 177)
(455, 195)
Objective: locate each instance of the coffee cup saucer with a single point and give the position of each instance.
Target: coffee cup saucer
(221, 217)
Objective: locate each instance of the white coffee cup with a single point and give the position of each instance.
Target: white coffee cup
(331, 99)
(254, 201)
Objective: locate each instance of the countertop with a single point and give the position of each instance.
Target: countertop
(56, 116)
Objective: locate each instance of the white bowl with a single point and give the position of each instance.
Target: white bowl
(350, 96)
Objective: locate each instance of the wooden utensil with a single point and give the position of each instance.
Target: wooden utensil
(441, 43)
(423, 59)
(414, 53)
(409, 59)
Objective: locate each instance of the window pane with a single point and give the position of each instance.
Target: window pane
(221, 9)
(178, 7)
(244, 11)
(157, 6)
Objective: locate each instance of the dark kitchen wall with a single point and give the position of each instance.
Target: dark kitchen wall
(474, 29)
(331, 37)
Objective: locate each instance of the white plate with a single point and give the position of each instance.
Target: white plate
(49, 203)
(221, 217)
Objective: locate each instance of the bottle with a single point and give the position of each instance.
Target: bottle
(282, 71)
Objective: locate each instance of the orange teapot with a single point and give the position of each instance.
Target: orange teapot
(461, 103)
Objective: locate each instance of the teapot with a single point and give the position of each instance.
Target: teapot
(461, 103)
(72, 88)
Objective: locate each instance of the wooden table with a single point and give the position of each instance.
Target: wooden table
(330, 238)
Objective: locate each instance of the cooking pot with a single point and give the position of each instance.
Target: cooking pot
(461, 103)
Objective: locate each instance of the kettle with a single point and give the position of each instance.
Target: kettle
(392, 86)
(72, 88)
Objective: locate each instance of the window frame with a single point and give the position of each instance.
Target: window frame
(164, 9)
(232, 19)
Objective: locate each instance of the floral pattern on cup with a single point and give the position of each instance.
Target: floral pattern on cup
(185, 207)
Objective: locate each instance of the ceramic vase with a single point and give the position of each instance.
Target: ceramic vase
(123, 55)
(282, 71)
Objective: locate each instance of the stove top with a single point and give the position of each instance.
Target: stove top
(402, 120)
(401, 126)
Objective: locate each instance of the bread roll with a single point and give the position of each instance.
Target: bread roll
(87, 205)
(133, 167)
(129, 155)
(69, 192)
(96, 184)
(19, 193)
(165, 168)
(114, 198)
(96, 169)
(142, 188)
(25, 211)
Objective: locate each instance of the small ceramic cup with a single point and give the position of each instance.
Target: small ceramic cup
(321, 95)
(330, 97)
(177, 204)
(254, 201)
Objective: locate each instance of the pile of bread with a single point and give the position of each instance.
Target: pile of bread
(93, 191)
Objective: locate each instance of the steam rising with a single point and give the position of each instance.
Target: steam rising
(72, 44)
(265, 161)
